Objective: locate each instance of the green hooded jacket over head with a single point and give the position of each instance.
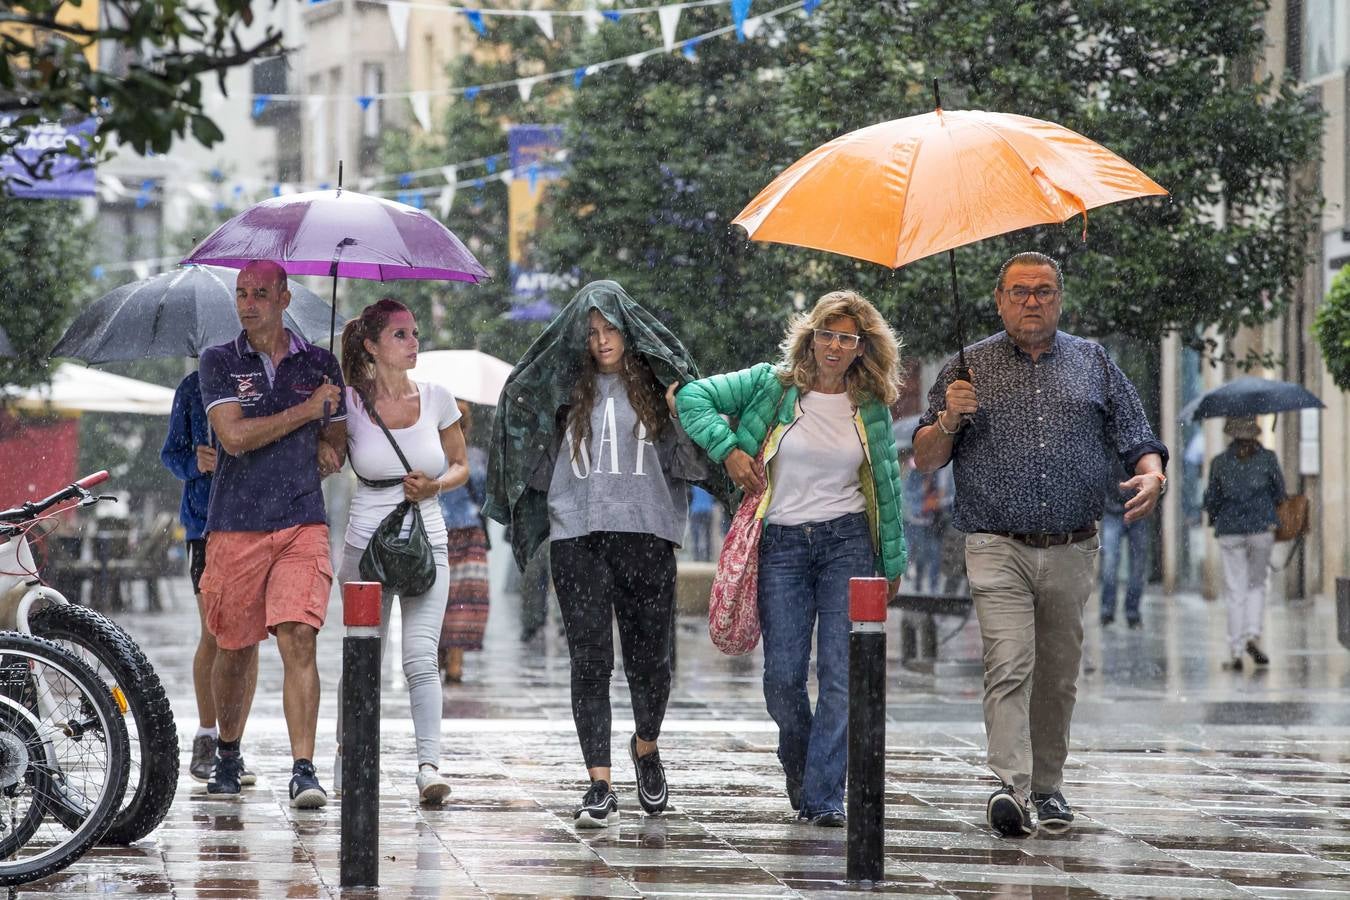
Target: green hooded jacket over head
(527, 428)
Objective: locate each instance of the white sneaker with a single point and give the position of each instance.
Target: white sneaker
(432, 788)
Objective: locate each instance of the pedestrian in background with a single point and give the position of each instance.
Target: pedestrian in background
(1245, 485)
(832, 512)
(379, 349)
(1029, 432)
(466, 609)
(701, 506)
(189, 454)
(926, 502)
(586, 457)
(1115, 532)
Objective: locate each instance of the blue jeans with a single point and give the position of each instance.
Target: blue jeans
(1136, 535)
(804, 572)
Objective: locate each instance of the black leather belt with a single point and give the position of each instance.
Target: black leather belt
(1042, 540)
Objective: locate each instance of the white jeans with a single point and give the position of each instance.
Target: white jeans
(422, 617)
(1245, 559)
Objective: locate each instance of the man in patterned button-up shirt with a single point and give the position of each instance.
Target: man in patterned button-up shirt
(1029, 433)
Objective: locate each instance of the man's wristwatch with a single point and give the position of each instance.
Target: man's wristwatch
(1162, 482)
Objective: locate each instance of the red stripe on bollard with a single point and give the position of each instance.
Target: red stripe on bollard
(867, 599)
(361, 604)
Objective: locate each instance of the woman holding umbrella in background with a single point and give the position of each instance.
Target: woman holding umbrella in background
(1245, 485)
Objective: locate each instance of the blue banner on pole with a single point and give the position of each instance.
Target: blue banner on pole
(534, 151)
(68, 176)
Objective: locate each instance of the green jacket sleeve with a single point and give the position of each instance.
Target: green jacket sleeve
(701, 405)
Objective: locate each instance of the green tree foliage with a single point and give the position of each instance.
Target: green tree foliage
(460, 316)
(168, 47)
(1167, 84)
(1332, 329)
(44, 253)
(663, 156)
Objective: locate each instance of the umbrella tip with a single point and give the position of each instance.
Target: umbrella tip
(937, 95)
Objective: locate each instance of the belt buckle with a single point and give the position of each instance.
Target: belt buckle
(1042, 541)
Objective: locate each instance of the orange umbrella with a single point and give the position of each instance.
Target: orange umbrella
(902, 190)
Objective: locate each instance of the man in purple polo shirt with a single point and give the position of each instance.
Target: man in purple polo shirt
(271, 399)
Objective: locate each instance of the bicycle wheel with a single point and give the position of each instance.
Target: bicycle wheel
(64, 758)
(107, 649)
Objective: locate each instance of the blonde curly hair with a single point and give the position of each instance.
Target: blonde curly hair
(874, 376)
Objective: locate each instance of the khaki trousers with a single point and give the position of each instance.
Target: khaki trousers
(1029, 602)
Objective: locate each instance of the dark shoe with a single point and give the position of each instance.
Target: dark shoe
(1235, 664)
(203, 757)
(794, 792)
(651, 779)
(832, 819)
(306, 792)
(225, 778)
(246, 775)
(1006, 816)
(1257, 655)
(1107, 620)
(1135, 624)
(1053, 812)
(597, 807)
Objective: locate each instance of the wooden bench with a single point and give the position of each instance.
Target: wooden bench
(918, 630)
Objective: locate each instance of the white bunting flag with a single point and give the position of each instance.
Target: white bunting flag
(398, 20)
(545, 23)
(636, 60)
(314, 107)
(445, 201)
(670, 21)
(751, 26)
(526, 86)
(451, 175)
(592, 18)
(421, 107)
(141, 269)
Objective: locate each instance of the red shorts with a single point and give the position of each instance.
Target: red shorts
(256, 580)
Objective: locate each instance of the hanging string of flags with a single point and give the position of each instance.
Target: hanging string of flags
(744, 26)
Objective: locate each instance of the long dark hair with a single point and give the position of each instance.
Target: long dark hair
(358, 366)
(644, 395)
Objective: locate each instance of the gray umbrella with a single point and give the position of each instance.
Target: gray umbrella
(6, 348)
(177, 313)
(1249, 396)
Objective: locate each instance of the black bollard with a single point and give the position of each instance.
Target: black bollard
(867, 729)
(360, 850)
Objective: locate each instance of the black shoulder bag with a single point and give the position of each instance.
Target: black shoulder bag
(404, 565)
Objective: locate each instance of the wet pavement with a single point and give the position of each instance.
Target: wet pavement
(1189, 780)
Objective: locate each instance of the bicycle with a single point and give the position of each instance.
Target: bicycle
(64, 758)
(31, 607)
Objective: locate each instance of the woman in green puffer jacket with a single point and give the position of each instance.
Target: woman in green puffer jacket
(831, 512)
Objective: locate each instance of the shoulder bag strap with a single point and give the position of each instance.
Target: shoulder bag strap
(374, 414)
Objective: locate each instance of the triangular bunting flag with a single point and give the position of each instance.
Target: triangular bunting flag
(739, 10)
(810, 6)
(592, 18)
(578, 76)
(545, 23)
(752, 26)
(314, 106)
(398, 20)
(471, 93)
(670, 21)
(526, 86)
(613, 16)
(445, 201)
(365, 101)
(476, 20)
(451, 175)
(635, 60)
(421, 107)
(260, 104)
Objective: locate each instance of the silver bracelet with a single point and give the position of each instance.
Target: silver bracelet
(942, 428)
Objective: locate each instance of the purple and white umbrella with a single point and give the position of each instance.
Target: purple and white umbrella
(339, 232)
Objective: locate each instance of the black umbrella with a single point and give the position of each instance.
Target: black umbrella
(177, 313)
(1250, 396)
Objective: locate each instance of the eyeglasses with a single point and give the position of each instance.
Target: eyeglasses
(1021, 295)
(845, 339)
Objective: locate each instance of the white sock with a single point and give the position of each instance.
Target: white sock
(213, 731)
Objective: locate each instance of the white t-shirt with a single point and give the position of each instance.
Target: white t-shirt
(373, 457)
(814, 474)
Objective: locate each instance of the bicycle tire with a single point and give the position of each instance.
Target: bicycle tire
(150, 791)
(97, 702)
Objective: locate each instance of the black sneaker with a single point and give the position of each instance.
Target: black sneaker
(794, 792)
(225, 778)
(1258, 656)
(832, 819)
(1006, 816)
(1135, 624)
(1053, 812)
(597, 806)
(651, 779)
(203, 757)
(1107, 620)
(246, 775)
(306, 792)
